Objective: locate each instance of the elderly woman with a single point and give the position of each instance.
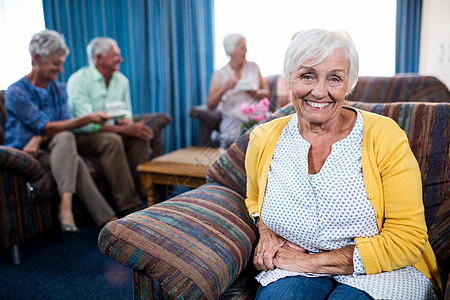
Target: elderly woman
(335, 192)
(237, 82)
(38, 123)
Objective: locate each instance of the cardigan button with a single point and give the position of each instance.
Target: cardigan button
(370, 196)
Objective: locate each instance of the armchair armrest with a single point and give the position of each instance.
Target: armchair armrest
(194, 244)
(20, 162)
(157, 122)
(208, 122)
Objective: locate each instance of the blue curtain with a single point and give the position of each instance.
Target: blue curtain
(407, 41)
(167, 47)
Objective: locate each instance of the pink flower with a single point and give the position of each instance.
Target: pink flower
(244, 107)
(247, 109)
(258, 117)
(263, 105)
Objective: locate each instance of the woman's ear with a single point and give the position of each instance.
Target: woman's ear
(36, 58)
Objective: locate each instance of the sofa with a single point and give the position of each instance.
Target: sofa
(199, 245)
(28, 196)
(401, 87)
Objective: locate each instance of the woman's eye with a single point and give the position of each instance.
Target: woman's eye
(307, 76)
(335, 79)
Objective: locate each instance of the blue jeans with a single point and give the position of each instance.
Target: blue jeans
(314, 288)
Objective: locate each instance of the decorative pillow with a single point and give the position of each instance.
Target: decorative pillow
(195, 244)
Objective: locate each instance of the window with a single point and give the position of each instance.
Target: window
(19, 20)
(268, 26)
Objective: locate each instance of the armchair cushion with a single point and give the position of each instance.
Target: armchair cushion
(191, 245)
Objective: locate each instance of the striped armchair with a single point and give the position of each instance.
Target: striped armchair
(28, 196)
(199, 244)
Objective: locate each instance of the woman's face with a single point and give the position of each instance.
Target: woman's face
(318, 92)
(240, 51)
(51, 66)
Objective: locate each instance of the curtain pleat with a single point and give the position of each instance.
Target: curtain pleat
(167, 47)
(407, 42)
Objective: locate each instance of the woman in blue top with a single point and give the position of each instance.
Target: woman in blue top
(38, 122)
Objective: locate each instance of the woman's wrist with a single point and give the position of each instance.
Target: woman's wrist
(334, 262)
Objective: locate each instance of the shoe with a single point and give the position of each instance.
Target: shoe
(68, 228)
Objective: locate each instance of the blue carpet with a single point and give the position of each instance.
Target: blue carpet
(60, 265)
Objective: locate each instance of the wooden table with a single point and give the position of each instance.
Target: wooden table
(186, 167)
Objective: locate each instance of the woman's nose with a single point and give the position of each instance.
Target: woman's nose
(319, 90)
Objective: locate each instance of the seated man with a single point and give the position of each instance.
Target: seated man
(121, 144)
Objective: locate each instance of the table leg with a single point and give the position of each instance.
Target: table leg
(147, 181)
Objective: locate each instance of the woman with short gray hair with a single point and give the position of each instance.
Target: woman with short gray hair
(47, 42)
(38, 122)
(237, 82)
(335, 191)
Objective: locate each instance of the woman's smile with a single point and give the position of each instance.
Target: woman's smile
(317, 105)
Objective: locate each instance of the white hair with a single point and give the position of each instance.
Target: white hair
(99, 45)
(315, 45)
(47, 42)
(230, 42)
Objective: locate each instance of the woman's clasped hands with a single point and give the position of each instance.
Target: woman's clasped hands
(274, 251)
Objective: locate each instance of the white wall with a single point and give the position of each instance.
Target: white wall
(434, 58)
(268, 26)
(19, 20)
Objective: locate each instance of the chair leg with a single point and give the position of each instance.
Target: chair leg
(15, 254)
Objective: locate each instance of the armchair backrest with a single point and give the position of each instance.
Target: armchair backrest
(400, 88)
(427, 126)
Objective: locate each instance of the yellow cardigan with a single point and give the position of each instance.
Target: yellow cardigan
(393, 185)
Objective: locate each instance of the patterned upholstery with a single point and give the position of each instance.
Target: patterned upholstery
(193, 246)
(28, 195)
(167, 244)
(400, 88)
(28, 204)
